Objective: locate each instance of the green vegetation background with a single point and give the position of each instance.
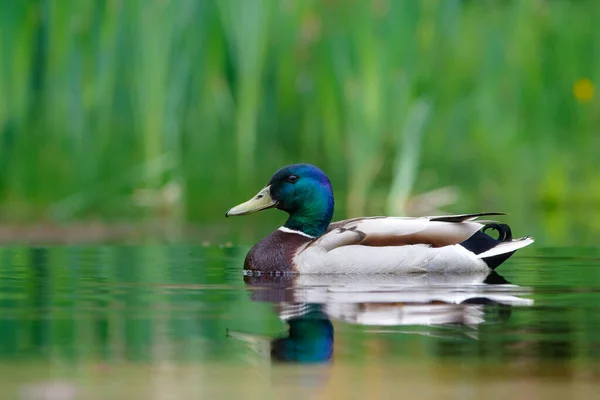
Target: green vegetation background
(123, 110)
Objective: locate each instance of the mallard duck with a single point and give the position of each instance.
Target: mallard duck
(308, 243)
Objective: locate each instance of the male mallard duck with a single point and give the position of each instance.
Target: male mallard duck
(308, 243)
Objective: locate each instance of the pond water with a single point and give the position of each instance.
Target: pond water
(182, 322)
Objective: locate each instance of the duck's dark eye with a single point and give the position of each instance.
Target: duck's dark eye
(292, 178)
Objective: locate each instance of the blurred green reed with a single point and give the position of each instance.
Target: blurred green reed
(182, 108)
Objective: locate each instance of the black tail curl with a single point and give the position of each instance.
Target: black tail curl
(504, 232)
(480, 242)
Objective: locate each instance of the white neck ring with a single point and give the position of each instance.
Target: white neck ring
(288, 230)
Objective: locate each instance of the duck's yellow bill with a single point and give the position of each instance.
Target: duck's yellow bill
(261, 201)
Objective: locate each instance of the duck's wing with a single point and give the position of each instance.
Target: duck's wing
(463, 217)
(408, 245)
(435, 231)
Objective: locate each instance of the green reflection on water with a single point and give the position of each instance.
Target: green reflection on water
(133, 313)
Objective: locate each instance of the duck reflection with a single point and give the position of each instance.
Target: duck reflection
(309, 303)
(309, 338)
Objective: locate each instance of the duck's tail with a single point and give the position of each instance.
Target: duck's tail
(495, 251)
(497, 255)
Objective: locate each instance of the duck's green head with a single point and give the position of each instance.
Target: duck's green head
(301, 190)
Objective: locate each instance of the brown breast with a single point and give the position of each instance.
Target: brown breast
(275, 253)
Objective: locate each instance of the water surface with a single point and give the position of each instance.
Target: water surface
(183, 322)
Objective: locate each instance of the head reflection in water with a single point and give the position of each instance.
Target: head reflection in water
(309, 340)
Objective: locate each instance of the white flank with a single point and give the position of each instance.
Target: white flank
(357, 259)
(288, 230)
